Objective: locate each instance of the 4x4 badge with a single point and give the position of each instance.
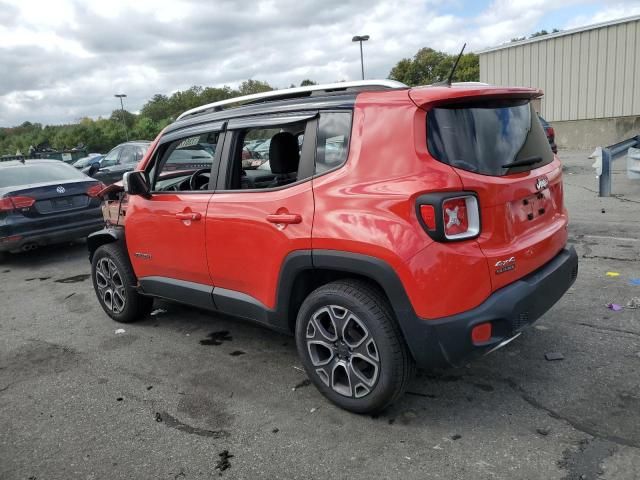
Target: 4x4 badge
(542, 183)
(505, 265)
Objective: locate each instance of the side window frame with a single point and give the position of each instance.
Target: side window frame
(163, 149)
(235, 135)
(348, 146)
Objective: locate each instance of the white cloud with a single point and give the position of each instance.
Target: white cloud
(64, 59)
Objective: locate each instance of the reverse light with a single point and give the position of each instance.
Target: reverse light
(461, 217)
(481, 333)
(8, 204)
(94, 190)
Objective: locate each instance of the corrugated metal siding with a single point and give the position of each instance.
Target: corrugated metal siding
(587, 74)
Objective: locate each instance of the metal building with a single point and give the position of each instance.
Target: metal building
(590, 77)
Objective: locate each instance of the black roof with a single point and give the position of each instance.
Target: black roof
(342, 100)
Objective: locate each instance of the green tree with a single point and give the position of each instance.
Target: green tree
(253, 86)
(306, 83)
(429, 66)
(158, 108)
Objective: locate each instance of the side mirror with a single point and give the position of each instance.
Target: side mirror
(136, 183)
(92, 170)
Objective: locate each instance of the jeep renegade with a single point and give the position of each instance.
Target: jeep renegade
(386, 227)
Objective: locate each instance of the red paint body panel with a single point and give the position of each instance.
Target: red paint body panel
(177, 247)
(245, 249)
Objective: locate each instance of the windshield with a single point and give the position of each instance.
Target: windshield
(484, 136)
(49, 172)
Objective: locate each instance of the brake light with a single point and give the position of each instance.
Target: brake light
(94, 190)
(551, 133)
(461, 217)
(18, 202)
(428, 214)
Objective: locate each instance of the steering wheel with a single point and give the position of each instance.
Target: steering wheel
(193, 180)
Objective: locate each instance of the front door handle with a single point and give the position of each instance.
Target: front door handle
(281, 218)
(188, 216)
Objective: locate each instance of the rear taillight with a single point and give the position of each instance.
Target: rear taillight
(94, 190)
(551, 133)
(449, 216)
(15, 203)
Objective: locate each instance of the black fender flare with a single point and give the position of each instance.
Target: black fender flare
(104, 236)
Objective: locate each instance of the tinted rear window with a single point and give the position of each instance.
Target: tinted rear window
(481, 137)
(38, 173)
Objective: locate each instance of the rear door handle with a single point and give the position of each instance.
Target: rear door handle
(284, 218)
(188, 216)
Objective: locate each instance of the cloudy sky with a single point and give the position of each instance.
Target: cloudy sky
(61, 60)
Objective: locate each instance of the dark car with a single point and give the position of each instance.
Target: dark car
(119, 160)
(46, 201)
(92, 159)
(550, 133)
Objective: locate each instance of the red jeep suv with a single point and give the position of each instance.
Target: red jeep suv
(390, 227)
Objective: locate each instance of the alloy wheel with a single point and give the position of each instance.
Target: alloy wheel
(110, 285)
(343, 352)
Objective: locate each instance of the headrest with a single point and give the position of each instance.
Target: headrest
(283, 153)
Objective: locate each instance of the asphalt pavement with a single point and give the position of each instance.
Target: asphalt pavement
(186, 394)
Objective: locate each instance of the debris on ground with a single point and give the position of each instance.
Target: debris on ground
(612, 274)
(456, 437)
(158, 311)
(634, 303)
(223, 463)
(603, 211)
(70, 295)
(304, 383)
(120, 330)
(149, 387)
(275, 430)
(298, 368)
(543, 431)
(158, 417)
(216, 338)
(237, 353)
(313, 410)
(551, 356)
(541, 327)
(614, 306)
(635, 281)
(119, 399)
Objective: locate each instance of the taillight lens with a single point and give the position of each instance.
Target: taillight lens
(461, 217)
(551, 133)
(18, 202)
(94, 190)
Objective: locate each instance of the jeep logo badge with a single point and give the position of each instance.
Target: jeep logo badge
(60, 189)
(542, 183)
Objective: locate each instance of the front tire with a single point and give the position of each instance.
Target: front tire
(351, 346)
(115, 285)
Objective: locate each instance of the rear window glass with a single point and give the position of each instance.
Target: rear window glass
(38, 173)
(485, 137)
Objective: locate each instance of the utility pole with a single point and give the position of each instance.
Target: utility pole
(361, 38)
(124, 124)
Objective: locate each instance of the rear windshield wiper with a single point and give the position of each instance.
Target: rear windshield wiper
(524, 162)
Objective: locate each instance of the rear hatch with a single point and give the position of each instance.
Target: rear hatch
(496, 145)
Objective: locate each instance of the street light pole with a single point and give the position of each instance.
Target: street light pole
(121, 96)
(361, 38)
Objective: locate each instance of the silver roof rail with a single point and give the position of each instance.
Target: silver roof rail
(292, 92)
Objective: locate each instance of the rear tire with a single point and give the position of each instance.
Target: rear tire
(115, 285)
(351, 346)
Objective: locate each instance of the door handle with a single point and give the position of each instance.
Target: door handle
(188, 216)
(284, 218)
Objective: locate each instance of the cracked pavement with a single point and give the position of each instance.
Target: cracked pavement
(164, 400)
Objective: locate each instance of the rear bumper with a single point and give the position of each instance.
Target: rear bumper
(56, 234)
(447, 341)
